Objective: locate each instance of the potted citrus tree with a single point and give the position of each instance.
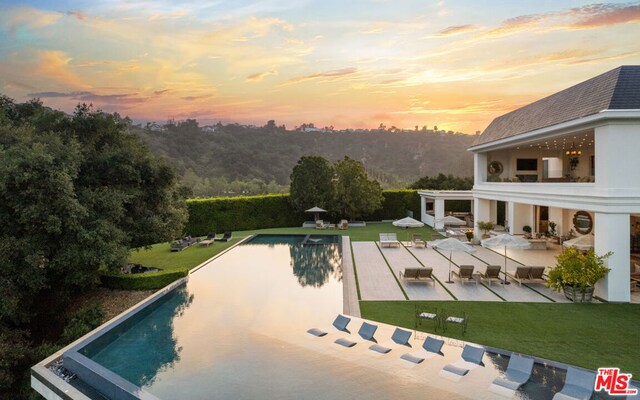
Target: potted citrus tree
(577, 272)
(485, 227)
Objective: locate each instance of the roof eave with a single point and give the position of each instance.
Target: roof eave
(557, 129)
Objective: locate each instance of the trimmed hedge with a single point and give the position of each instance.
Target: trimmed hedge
(275, 211)
(240, 214)
(150, 281)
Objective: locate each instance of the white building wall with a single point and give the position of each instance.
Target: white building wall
(523, 215)
(612, 234)
(556, 215)
(479, 167)
(617, 161)
(481, 212)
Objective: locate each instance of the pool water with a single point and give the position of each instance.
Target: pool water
(237, 330)
(223, 328)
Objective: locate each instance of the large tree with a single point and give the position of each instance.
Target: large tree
(311, 183)
(355, 195)
(76, 193)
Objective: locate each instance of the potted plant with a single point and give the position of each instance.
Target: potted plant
(469, 234)
(552, 229)
(485, 227)
(527, 230)
(577, 272)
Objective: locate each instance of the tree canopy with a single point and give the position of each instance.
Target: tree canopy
(443, 182)
(311, 183)
(355, 194)
(76, 193)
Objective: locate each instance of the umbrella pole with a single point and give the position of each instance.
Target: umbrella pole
(450, 255)
(505, 267)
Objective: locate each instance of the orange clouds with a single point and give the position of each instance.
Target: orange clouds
(457, 30)
(55, 66)
(336, 73)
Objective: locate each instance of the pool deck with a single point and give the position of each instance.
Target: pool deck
(378, 268)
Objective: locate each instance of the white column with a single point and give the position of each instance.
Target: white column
(479, 168)
(481, 212)
(493, 211)
(423, 209)
(555, 215)
(612, 234)
(438, 209)
(613, 157)
(510, 216)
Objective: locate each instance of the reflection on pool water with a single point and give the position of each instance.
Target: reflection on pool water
(237, 330)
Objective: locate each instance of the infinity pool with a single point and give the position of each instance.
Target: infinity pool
(237, 330)
(220, 336)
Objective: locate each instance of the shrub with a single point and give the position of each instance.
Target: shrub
(84, 321)
(150, 281)
(577, 269)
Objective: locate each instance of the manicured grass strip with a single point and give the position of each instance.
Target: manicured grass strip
(434, 277)
(392, 272)
(160, 255)
(369, 233)
(586, 335)
(355, 271)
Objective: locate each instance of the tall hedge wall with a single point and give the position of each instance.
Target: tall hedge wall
(275, 211)
(240, 213)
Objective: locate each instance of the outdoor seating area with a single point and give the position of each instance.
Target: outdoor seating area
(389, 240)
(183, 243)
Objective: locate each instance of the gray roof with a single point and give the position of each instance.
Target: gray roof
(618, 89)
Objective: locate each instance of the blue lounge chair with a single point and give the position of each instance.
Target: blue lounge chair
(400, 337)
(340, 324)
(431, 346)
(366, 332)
(517, 374)
(472, 356)
(578, 385)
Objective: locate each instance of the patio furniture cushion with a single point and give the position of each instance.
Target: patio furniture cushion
(379, 349)
(455, 370)
(412, 358)
(433, 345)
(317, 332)
(400, 336)
(427, 315)
(345, 342)
(367, 331)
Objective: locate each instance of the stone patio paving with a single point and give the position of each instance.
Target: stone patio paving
(377, 282)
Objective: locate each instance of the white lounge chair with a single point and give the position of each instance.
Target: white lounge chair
(389, 239)
(578, 385)
(517, 374)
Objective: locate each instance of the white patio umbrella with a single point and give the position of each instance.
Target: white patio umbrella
(407, 223)
(451, 220)
(507, 241)
(451, 245)
(581, 243)
(316, 212)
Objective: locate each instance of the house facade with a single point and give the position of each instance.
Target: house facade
(570, 160)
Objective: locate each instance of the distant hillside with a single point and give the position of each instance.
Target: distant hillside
(233, 159)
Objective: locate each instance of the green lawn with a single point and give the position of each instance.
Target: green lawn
(586, 335)
(160, 256)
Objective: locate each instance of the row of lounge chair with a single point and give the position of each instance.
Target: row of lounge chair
(391, 239)
(579, 384)
(211, 238)
(187, 241)
(417, 275)
(343, 224)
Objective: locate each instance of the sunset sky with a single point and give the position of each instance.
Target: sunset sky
(455, 64)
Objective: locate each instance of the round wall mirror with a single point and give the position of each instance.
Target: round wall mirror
(582, 222)
(495, 168)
